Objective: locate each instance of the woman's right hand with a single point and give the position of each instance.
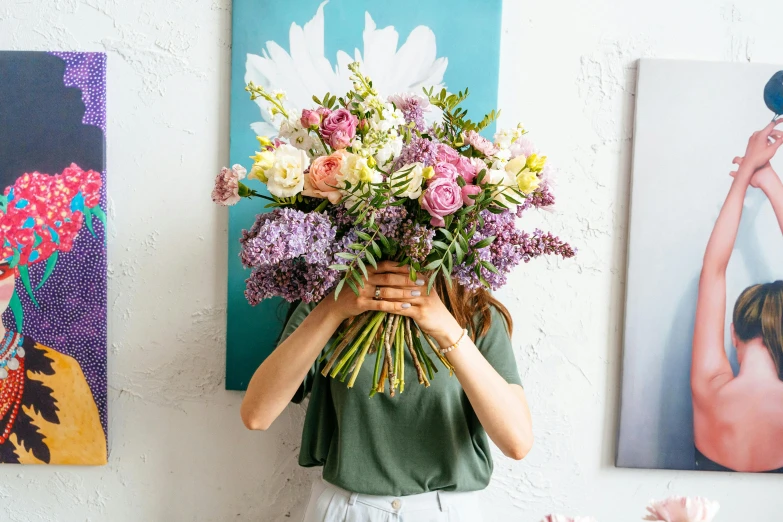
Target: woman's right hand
(762, 146)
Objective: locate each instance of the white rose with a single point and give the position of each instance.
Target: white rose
(286, 176)
(413, 175)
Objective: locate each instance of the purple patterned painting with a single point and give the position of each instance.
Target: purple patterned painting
(53, 258)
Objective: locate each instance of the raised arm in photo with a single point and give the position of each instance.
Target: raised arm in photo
(710, 368)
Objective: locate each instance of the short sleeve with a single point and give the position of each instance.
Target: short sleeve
(497, 349)
(301, 311)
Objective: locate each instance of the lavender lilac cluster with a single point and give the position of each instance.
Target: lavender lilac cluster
(289, 252)
(418, 150)
(511, 247)
(416, 240)
(412, 108)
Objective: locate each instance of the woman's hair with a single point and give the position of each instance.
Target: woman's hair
(472, 307)
(758, 312)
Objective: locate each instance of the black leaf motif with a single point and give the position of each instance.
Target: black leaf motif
(38, 396)
(8, 453)
(30, 437)
(35, 359)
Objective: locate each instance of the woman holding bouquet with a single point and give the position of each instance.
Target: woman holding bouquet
(417, 455)
(392, 231)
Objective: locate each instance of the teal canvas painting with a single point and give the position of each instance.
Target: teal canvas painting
(304, 47)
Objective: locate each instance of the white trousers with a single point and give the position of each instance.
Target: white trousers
(328, 503)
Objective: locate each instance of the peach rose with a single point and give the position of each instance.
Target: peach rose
(321, 181)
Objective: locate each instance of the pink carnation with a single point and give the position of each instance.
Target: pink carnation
(480, 143)
(226, 191)
(682, 509)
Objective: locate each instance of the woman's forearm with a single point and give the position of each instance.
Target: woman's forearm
(501, 407)
(275, 382)
(724, 234)
(774, 192)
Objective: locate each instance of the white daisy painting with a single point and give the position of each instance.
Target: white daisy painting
(304, 47)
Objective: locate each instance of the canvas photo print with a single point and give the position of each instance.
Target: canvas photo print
(53, 258)
(702, 384)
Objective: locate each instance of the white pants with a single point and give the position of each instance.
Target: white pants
(328, 503)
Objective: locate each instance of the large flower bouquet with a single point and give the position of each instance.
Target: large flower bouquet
(363, 178)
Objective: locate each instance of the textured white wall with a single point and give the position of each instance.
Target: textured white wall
(179, 451)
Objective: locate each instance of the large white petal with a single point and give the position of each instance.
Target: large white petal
(305, 70)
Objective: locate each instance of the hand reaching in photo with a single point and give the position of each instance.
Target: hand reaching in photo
(763, 178)
(762, 146)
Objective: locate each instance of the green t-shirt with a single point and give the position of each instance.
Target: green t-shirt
(425, 439)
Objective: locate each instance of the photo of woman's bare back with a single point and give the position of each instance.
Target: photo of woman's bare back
(702, 360)
(738, 419)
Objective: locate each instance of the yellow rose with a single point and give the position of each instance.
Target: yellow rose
(527, 181)
(427, 172)
(536, 162)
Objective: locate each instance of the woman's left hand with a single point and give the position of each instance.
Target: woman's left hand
(398, 297)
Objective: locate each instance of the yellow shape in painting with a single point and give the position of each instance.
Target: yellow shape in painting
(78, 438)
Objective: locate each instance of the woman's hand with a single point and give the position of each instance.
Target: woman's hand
(764, 178)
(397, 294)
(762, 146)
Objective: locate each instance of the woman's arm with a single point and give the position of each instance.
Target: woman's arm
(501, 407)
(275, 382)
(710, 368)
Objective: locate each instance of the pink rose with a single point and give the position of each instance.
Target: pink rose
(467, 191)
(340, 139)
(466, 169)
(442, 197)
(321, 179)
(339, 120)
(446, 153)
(480, 143)
(323, 112)
(226, 191)
(445, 170)
(310, 119)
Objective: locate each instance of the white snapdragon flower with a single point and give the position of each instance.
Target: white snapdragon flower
(285, 178)
(389, 151)
(291, 130)
(505, 137)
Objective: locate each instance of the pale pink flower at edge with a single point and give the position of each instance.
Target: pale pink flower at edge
(226, 191)
(480, 143)
(563, 518)
(682, 509)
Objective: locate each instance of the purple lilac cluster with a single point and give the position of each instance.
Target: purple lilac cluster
(291, 279)
(390, 219)
(511, 247)
(412, 108)
(416, 240)
(290, 252)
(541, 198)
(418, 150)
(285, 234)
